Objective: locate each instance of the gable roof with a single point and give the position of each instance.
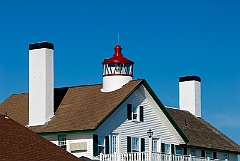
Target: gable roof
(86, 107)
(76, 108)
(200, 133)
(20, 143)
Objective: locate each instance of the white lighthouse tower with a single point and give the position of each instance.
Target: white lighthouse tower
(117, 71)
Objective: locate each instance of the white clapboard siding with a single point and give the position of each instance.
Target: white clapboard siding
(119, 124)
(85, 138)
(161, 115)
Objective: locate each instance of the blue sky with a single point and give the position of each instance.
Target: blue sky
(165, 39)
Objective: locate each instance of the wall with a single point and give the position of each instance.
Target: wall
(118, 123)
(76, 138)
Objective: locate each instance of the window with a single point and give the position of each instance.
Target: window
(114, 144)
(192, 152)
(154, 145)
(101, 144)
(224, 156)
(178, 150)
(62, 141)
(135, 144)
(135, 113)
(166, 148)
(208, 154)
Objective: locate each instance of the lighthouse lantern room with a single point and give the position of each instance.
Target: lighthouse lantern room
(116, 70)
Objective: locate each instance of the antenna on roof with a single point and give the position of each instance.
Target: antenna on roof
(6, 114)
(118, 39)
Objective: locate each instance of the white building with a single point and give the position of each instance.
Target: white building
(114, 117)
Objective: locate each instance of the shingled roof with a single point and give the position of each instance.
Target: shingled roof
(86, 107)
(200, 133)
(77, 108)
(19, 143)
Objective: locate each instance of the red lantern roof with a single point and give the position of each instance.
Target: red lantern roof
(117, 57)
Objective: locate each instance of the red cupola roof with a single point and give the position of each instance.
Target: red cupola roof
(117, 57)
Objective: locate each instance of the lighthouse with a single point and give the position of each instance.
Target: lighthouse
(116, 71)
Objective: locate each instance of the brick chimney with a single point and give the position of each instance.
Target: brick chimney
(41, 83)
(190, 94)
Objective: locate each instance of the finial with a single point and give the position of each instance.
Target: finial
(117, 50)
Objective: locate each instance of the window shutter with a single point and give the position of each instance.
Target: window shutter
(203, 153)
(172, 149)
(141, 113)
(142, 144)
(163, 147)
(129, 111)
(185, 151)
(129, 148)
(214, 155)
(107, 144)
(95, 145)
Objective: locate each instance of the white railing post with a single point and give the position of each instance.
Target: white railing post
(115, 156)
(150, 148)
(190, 157)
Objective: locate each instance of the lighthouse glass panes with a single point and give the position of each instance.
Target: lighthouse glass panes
(117, 68)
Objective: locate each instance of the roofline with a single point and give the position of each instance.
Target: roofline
(115, 108)
(211, 149)
(66, 132)
(162, 107)
(159, 103)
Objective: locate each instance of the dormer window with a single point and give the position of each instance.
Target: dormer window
(135, 113)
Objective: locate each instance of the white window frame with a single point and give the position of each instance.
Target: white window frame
(209, 152)
(135, 112)
(177, 149)
(62, 141)
(114, 143)
(224, 156)
(135, 144)
(167, 148)
(101, 145)
(155, 145)
(192, 152)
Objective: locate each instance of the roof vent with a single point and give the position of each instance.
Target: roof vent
(6, 114)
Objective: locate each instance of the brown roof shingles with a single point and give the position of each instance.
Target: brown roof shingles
(81, 107)
(19, 143)
(200, 133)
(86, 107)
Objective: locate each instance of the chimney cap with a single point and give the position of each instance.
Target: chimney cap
(189, 78)
(40, 45)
